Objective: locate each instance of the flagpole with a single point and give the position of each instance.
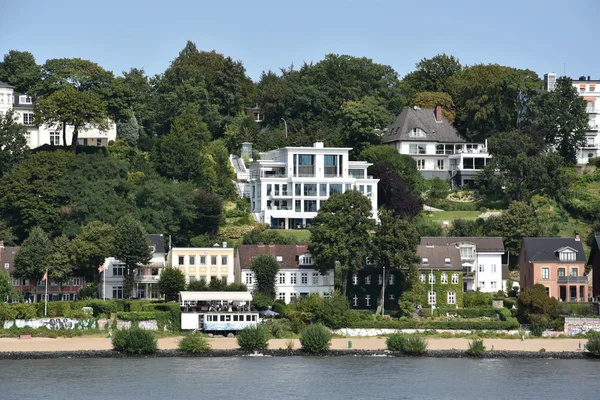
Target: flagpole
(46, 305)
(104, 283)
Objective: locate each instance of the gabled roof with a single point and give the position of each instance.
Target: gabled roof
(545, 249)
(423, 118)
(158, 241)
(287, 252)
(437, 255)
(6, 85)
(484, 244)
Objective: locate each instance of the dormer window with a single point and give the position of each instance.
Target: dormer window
(416, 132)
(279, 258)
(306, 260)
(24, 100)
(447, 261)
(567, 256)
(425, 261)
(369, 261)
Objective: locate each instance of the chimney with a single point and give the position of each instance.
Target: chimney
(577, 237)
(224, 244)
(438, 113)
(318, 145)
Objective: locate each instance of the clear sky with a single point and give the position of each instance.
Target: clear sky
(118, 35)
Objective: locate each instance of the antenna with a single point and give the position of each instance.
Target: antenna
(564, 69)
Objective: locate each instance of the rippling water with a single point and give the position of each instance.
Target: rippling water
(249, 378)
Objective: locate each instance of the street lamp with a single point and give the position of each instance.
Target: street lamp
(285, 122)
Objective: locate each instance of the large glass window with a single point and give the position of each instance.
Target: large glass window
(331, 165)
(298, 189)
(335, 188)
(310, 206)
(323, 189)
(310, 189)
(306, 165)
(415, 148)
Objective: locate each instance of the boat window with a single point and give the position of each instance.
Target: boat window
(228, 318)
(222, 318)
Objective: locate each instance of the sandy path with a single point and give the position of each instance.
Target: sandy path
(79, 343)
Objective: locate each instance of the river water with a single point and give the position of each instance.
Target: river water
(248, 378)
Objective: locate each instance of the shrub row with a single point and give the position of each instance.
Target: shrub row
(413, 345)
(510, 323)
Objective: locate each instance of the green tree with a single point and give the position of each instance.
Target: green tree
(561, 118)
(20, 70)
(402, 164)
(433, 99)
(92, 246)
(466, 228)
(394, 246)
(171, 282)
(60, 261)
(129, 130)
(68, 106)
(437, 189)
(32, 259)
(535, 307)
(488, 98)
(225, 176)
(13, 144)
(340, 233)
(393, 193)
(132, 248)
(363, 122)
(6, 287)
(432, 74)
(414, 290)
(265, 268)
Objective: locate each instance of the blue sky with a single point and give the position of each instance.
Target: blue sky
(118, 35)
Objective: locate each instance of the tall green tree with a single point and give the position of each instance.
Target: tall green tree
(394, 246)
(32, 259)
(265, 268)
(413, 292)
(395, 194)
(92, 246)
(19, 69)
(13, 144)
(433, 99)
(60, 261)
(129, 130)
(363, 122)
(340, 233)
(402, 164)
(6, 288)
(561, 118)
(132, 248)
(171, 282)
(432, 74)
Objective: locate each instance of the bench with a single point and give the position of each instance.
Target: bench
(24, 336)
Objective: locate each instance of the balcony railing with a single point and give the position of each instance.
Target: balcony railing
(278, 208)
(572, 279)
(306, 171)
(331, 172)
(147, 278)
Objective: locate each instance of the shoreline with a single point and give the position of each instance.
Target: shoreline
(101, 347)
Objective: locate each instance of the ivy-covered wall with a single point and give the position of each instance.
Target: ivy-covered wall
(442, 289)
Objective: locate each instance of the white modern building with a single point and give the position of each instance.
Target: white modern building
(289, 185)
(437, 147)
(146, 277)
(590, 91)
(53, 135)
(204, 263)
(297, 276)
(481, 259)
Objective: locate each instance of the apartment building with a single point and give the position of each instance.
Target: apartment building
(37, 136)
(204, 263)
(438, 148)
(289, 185)
(297, 277)
(590, 91)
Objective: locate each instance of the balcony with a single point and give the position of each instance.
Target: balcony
(147, 278)
(332, 172)
(306, 171)
(283, 193)
(572, 279)
(279, 208)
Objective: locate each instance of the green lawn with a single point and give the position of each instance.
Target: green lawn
(301, 235)
(451, 215)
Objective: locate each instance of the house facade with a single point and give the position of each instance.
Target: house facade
(38, 136)
(146, 277)
(289, 185)
(589, 90)
(481, 259)
(204, 263)
(438, 148)
(36, 291)
(296, 278)
(556, 263)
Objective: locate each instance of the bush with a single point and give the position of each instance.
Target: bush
(395, 342)
(476, 347)
(593, 344)
(315, 338)
(253, 338)
(194, 343)
(477, 299)
(414, 345)
(134, 341)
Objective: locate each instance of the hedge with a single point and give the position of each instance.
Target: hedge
(511, 323)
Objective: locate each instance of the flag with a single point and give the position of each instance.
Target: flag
(101, 268)
(45, 276)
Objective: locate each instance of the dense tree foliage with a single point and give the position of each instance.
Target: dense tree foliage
(13, 144)
(171, 282)
(395, 194)
(265, 268)
(19, 69)
(32, 260)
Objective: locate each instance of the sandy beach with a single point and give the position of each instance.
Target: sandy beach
(81, 344)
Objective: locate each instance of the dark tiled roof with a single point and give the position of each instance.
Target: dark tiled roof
(544, 249)
(288, 253)
(158, 241)
(423, 118)
(437, 255)
(484, 244)
(6, 85)
(8, 256)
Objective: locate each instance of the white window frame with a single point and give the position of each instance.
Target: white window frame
(545, 272)
(451, 297)
(355, 301)
(455, 279)
(431, 297)
(368, 300)
(249, 277)
(431, 278)
(444, 277)
(315, 278)
(368, 280)
(76, 281)
(304, 278)
(293, 278)
(281, 276)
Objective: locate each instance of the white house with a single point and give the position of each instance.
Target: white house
(590, 91)
(40, 135)
(481, 259)
(437, 147)
(289, 185)
(146, 277)
(204, 263)
(297, 276)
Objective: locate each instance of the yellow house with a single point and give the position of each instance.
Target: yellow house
(204, 263)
